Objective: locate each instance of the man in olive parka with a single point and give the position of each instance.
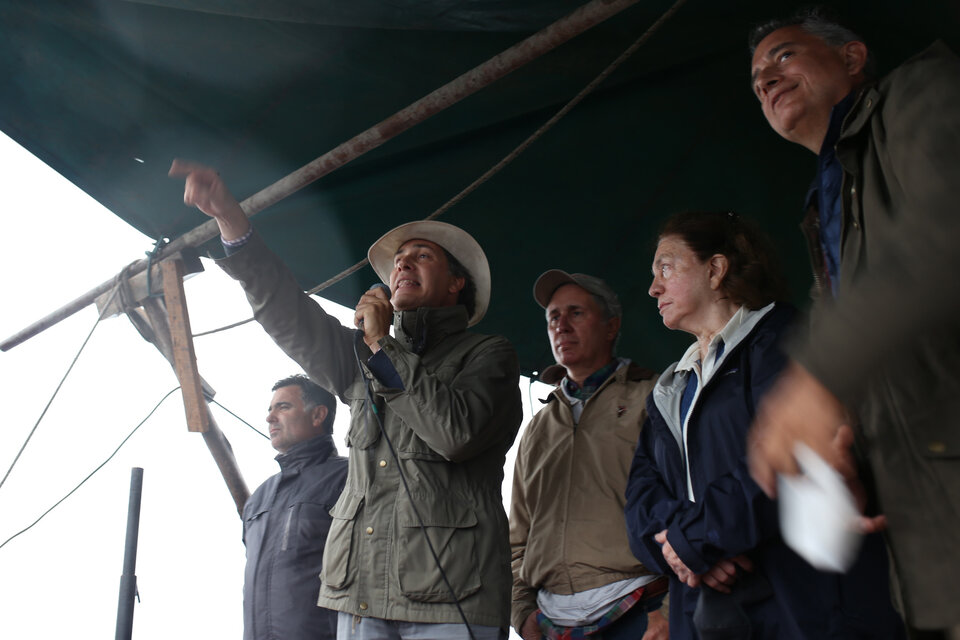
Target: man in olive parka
(445, 400)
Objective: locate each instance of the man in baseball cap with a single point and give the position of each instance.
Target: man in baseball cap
(570, 476)
(419, 541)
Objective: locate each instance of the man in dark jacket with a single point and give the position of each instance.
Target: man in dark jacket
(882, 230)
(286, 520)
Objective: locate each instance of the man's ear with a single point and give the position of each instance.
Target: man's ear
(854, 54)
(318, 414)
(457, 284)
(613, 327)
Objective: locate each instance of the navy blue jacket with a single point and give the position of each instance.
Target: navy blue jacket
(732, 516)
(285, 525)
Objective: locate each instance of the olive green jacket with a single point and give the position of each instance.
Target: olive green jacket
(889, 345)
(567, 528)
(450, 425)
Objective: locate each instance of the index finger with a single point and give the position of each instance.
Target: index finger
(715, 584)
(185, 168)
(843, 461)
(377, 291)
(743, 562)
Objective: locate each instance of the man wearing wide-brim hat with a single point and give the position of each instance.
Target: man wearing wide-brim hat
(433, 407)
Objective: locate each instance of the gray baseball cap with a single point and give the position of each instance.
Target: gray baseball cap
(549, 281)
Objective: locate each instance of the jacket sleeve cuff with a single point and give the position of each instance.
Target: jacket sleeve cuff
(244, 257)
(382, 368)
(690, 556)
(520, 611)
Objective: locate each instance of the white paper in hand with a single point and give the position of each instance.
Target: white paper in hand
(818, 517)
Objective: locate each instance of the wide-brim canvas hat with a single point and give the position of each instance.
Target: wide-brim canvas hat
(455, 240)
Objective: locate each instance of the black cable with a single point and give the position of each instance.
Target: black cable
(101, 465)
(373, 406)
(238, 418)
(57, 390)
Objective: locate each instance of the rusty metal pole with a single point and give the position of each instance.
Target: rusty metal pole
(545, 40)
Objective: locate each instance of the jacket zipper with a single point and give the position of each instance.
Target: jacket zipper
(286, 529)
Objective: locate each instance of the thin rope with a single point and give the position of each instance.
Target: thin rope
(238, 417)
(510, 157)
(340, 276)
(100, 466)
(62, 380)
(587, 90)
(224, 328)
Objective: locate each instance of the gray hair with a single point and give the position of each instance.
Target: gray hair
(818, 22)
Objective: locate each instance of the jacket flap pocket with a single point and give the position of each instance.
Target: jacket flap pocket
(364, 425)
(347, 506)
(450, 527)
(251, 515)
(338, 570)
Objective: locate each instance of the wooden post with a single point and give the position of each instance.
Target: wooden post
(154, 329)
(184, 358)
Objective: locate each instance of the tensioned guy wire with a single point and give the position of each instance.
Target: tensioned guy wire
(57, 390)
(91, 474)
(239, 418)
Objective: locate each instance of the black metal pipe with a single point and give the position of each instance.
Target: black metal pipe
(128, 580)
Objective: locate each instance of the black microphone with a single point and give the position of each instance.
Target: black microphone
(376, 285)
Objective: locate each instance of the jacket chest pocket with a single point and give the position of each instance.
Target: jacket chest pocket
(452, 531)
(337, 569)
(254, 526)
(305, 525)
(364, 428)
(408, 444)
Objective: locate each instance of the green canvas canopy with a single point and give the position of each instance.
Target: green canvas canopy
(108, 92)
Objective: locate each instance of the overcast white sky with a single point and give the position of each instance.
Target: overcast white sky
(61, 578)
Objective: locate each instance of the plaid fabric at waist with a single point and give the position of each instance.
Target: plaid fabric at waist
(614, 613)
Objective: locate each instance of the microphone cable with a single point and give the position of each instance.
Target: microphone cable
(373, 406)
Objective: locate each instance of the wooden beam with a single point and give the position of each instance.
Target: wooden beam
(184, 358)
(159, 335)
(135, 292)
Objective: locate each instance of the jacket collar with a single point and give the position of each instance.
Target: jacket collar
(420, 329)
(309, 451)
(670, 386)
(737, 328)
(838, 115)
(863, 107)
(628, 372)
